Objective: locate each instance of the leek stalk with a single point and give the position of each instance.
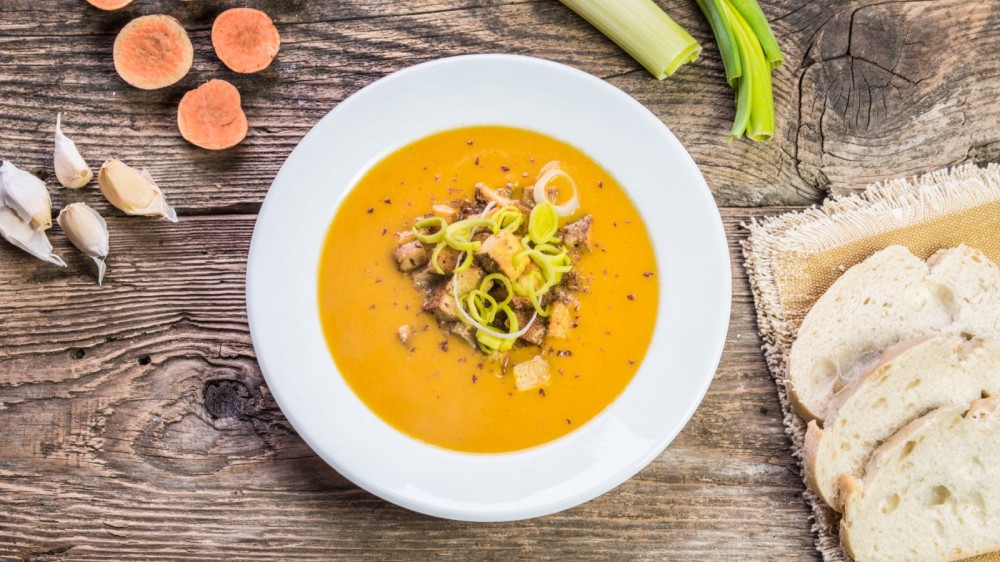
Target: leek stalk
(749, 52)
(643, 30)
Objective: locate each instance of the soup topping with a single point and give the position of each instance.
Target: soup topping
(497, 270)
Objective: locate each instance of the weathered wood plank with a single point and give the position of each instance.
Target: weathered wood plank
(137, 425)
(869, 90)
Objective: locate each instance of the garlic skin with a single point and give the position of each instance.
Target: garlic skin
(72, 170)
(132, 191)
(88, 231)
(22, 235)
(26, 195)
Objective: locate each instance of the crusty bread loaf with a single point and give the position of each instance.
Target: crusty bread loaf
(930, 493)
(888, 298)
(911, 379)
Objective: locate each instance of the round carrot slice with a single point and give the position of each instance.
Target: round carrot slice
(153, 52)
(245, 39)
(109, 4)
(210, 116)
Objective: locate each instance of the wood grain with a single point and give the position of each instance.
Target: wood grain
(869, 91)
(137, 425)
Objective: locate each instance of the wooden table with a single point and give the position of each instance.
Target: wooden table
(134, 421)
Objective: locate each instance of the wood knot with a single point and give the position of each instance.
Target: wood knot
(227, 398)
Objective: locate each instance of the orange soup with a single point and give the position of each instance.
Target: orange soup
(437, 387)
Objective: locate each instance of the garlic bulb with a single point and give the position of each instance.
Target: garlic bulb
(22, 235)
(26, 195)
(71, 169)
(132, 191)
(88, 231)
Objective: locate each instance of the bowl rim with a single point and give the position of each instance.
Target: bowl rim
(413, 494)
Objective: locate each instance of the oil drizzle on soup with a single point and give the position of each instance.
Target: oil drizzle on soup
(436, 387)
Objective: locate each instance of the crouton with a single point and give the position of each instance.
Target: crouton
(536, 333)
(531, 373)
(446, 212)
(467, 280)
(405, 236)
(425, 278)
(442, 303)
(442, 299)
(464, 331)
(560, 320)
(577, 235)
(447, 260)
(411, 256)
(497, 254)
(404, 331)
(500, 196)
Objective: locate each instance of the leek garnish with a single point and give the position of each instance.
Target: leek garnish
(749, 52)
(508, 218)
(643, 30)
(436, 223)
(543, 223)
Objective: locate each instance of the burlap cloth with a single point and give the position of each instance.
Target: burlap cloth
(793, 258)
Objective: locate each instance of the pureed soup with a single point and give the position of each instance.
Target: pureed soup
(443, 376)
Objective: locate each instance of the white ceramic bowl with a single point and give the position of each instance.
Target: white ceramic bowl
(608, 125)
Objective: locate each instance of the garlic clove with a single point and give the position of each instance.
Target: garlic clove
(88, 231)
(26, 195)
(133, 191)
(22, 235)
(72, 170)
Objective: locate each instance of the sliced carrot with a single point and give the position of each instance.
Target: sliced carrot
(153, 52)
(210, 116)
(109, 4)
(245, 39)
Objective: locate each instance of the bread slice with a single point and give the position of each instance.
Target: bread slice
(888, 298)
(931, 492)
(911, 379)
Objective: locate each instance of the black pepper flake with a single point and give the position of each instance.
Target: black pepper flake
(371, 307)
(647, 274)
(630, 297)
(600, 184)
(479, 366)
(630, 362)
(504, 169)
(387, 201)
(561, 372)
(469, 142)
(614, 223)
(477, 161)
(474, 379)
(426, 326)
(564, 353)
(461, 359)
(532, 159)
(371, 210)
(541, 391)
(568, 422)
(379, 280)
(413, 350)
(384, 230)
(443, 345)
